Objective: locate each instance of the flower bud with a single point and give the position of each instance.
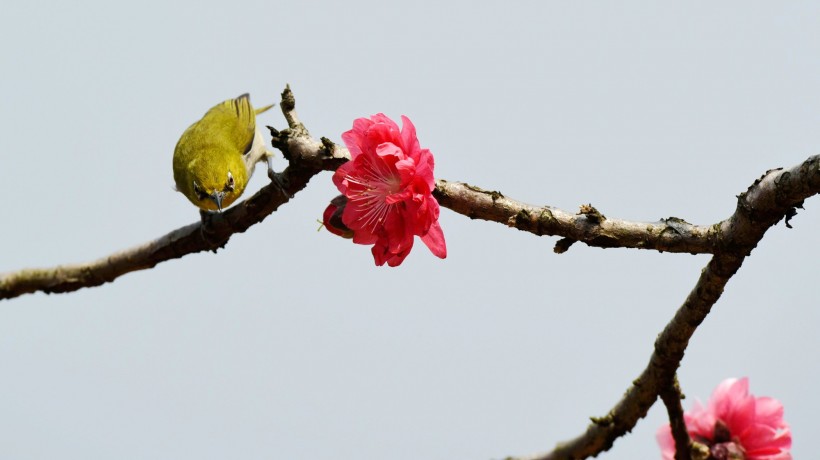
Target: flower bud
(332, 217)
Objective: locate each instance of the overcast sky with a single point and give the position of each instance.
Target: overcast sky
(290, 343)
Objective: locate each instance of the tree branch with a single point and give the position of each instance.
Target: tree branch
(771, 198)
(671, 397)
(307, 157)
(774, 196)
(588, 225)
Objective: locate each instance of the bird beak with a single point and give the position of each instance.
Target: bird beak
(217, 197)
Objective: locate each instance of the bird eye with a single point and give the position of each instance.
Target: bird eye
(199, 192)
(229, 186)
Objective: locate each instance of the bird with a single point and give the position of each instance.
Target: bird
(216, 156)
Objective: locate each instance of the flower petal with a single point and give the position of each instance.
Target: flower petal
(409, 141)
(434, 239)
(425, 169)
(355, 138)
(666, 442)
(770, 412)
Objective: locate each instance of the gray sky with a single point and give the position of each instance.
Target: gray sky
(290, 343)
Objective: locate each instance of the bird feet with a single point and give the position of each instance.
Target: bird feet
(206, 228)
(276, 177)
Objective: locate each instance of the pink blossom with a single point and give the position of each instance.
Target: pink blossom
(388, 184)
(735, 425)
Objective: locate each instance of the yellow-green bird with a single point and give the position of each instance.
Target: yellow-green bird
(215, 157)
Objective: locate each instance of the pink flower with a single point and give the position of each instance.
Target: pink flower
(388, 183)
(735, 425)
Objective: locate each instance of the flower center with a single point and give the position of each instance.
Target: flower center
(373, 200)
(727, 451)
(722, 446)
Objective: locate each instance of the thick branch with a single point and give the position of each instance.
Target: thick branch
(588, 225)
(767, 201)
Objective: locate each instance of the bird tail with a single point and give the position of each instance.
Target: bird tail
(264, 109)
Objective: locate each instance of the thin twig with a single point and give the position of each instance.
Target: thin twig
(671, 397)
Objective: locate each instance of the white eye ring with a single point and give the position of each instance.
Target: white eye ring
(199, 192)
(230, 185)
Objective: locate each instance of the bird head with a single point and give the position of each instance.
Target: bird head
(214, 185)
(213, 195)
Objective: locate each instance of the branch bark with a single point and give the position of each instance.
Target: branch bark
(768, 200)
(307, 157)
(671, 397)
(588, 225)
(774, 196)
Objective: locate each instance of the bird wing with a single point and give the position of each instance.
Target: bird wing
(236, 120)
